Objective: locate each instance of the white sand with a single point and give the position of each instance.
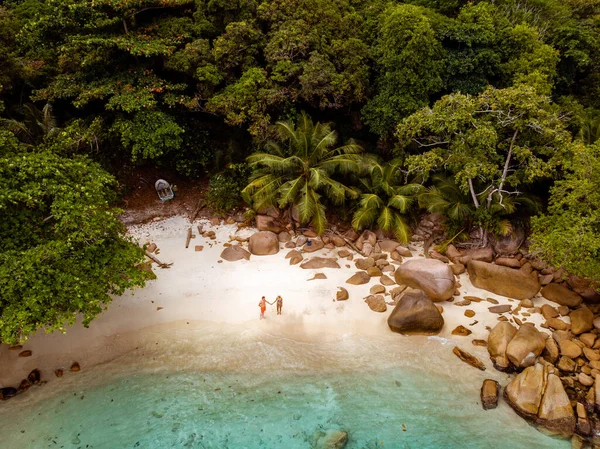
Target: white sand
(198, 291)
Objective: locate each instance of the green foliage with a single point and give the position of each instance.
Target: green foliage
(409, 60)
(501, 140)
(225, 189)
(568, 235)
(298, 168)
(386, 200)
(149, 134)
(63, 249)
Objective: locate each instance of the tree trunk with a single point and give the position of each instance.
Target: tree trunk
(472, 190)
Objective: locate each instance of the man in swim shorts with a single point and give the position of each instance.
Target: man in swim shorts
(263, 307)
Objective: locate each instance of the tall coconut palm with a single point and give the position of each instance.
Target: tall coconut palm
(298, 169)
(386, 201)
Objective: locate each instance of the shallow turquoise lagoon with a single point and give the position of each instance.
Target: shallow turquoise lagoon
(300, 392)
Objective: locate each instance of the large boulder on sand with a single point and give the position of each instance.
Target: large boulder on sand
(234, 253)
(320, 262)
(525, 347)
(263, 243)
(561, 295)
(498, 340)
(432, 276)
(415, 313)
(266, 223)
(539, 396)
(502, 280)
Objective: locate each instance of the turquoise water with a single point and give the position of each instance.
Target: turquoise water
(278, 396)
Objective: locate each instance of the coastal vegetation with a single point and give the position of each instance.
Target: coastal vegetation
(371, 111)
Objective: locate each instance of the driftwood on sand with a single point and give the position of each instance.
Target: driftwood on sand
(155, 259)
(201, 204)
(188, 238)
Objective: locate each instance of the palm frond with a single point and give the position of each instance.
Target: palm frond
(321, 147)
(319, 220)
(364, 217)
(343, 163)
(386, 219)
(289, 191)
(307, 206)
(402, 230)
(401, 203)
(335, 191)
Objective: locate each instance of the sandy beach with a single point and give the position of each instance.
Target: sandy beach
(200, 290)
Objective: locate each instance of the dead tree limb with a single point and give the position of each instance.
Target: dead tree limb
(153, 258)
(201, 204)
(188, 238)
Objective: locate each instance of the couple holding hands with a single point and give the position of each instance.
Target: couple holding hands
(263, 306)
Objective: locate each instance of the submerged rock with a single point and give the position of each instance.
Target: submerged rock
(333, 439)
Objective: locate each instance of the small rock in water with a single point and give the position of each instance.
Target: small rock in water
(27, 353)
(75, 367)
(479, 343)
(7, 392)
(58, 373)
(15, 348)
(34, 377)
(490, 391)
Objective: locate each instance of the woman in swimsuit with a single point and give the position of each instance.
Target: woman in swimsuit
(263, 307)
(279, 301)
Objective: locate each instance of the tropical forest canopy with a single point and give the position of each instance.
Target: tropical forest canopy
(486, 112)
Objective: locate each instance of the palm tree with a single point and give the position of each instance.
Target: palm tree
(385, 201)
(36, 125)
(446, 197)
(297, 169)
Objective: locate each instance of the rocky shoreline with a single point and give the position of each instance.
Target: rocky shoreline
(543, 326)
(557, 380)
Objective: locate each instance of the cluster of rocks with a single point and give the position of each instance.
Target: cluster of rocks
(556, 386)
(33, 378)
